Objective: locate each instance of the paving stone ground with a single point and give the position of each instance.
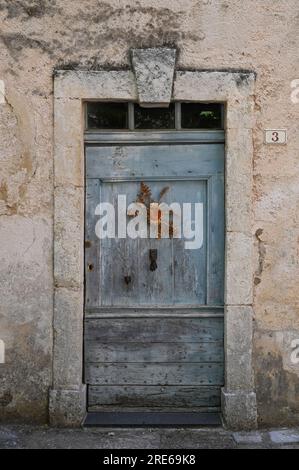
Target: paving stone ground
(42, 437)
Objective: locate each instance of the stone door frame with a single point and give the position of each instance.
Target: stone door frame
(67, 397)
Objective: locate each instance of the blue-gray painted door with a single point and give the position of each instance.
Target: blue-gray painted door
(154, 334)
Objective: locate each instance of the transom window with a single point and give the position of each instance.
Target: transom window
(132, 117)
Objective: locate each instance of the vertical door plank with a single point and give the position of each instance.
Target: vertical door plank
(92, 244)
(215, 269)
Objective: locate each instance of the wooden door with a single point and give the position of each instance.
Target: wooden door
(154, 327)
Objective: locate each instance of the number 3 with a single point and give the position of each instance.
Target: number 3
(275, 137)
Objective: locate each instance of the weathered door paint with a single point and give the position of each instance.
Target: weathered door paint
(153, 309)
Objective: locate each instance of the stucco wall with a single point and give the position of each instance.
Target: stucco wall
(40, 36)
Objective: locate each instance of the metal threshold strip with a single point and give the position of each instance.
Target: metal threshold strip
(151, 419)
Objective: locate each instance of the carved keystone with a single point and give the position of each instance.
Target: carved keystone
(154, 71)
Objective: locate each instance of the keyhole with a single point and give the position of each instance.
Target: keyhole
(90, 267)
(153, 255)
(127, 280)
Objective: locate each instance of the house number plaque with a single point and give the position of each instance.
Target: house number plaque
(276, 136)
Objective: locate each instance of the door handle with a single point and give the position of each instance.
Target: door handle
(153, 255)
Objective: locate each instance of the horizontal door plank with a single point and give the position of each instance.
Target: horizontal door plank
(154, 374)
(96, 351)
(153, 396)
(183, 137)
(187, 311)
(186, 330)
(161, 161)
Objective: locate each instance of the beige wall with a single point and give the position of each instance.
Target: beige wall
(38, 37)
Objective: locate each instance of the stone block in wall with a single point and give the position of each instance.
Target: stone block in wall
(69, 236)
(239, 275)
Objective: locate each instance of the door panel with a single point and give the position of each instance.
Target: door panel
(177, 268)
(192, 277)
(156, 341)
